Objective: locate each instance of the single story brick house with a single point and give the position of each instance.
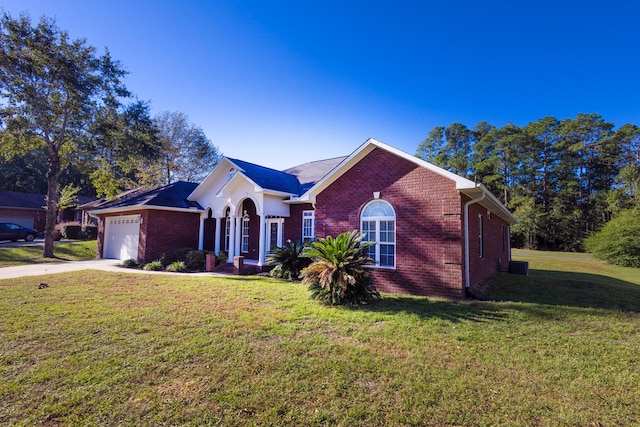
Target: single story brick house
(434, 232)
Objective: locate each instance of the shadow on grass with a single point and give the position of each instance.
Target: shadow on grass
(425, 308)
(564, 289)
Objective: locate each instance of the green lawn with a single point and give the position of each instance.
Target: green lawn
(63, 250)
(98, 348)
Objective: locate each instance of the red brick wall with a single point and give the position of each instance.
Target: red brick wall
(160, 232)
(165, 231)
(495, 244)
(293, 224)
(254, 230)
(429, 238)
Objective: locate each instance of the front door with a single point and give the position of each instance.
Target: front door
(274, 233)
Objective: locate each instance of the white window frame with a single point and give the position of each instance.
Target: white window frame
(227, 232)
(308, 217)
(481, 236)
(279, 234)
(245, 235)
(375, 233)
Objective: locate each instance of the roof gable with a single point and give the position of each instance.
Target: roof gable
(462, 184)
(267, 178)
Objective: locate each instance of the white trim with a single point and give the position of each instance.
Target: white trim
(279, 233)
(378, 220)
(480, 236)
(97, 212)
(311, 217)
(467, 277)
(464, 185)
(245, 234)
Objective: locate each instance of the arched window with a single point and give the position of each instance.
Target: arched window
(378, 225)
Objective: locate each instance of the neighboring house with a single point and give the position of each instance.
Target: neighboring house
(27, 209)
(434, 232)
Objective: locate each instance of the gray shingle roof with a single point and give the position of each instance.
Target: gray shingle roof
(295, 180)
(310, 173)
(14, 199)
(170, 196)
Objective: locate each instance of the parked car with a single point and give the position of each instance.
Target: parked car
(13, 232)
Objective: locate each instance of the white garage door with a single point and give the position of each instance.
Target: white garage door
(121, 235)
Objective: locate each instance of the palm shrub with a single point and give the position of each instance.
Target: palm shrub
(154, 266)
(338, 274)
(176, 267)
(289, 260)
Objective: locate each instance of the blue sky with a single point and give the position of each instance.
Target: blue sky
(280, 83)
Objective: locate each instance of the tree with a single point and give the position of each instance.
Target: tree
(24, 173)
(51, 88)
(185, 152)
(431, 147)
(497, 159)
(457, 151)
(619, 240)
(121, 140)
(626, 189)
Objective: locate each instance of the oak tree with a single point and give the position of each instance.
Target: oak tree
(51, 87)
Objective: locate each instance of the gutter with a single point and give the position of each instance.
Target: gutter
(467, 280)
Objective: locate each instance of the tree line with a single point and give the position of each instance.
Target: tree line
(562, 179)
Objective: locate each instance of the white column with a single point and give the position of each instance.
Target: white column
(201, 234)
(261, 242)
(232, 238)
(216, 242)
(238, 232)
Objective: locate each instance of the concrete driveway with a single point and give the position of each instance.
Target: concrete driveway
(10, 244)
(93, 264)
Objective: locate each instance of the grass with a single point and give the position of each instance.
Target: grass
(63, 251)
(114, 348)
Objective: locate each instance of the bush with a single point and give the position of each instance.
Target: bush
(89, 232)
(290, 261)
(338, 274)
(71, 230)
(154, 266)
(196, 260)
(177, 267)
(221, 258)
(619, 240)
(130, 263)
(181, 254)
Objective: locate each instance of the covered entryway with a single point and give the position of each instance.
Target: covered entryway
(121, 235)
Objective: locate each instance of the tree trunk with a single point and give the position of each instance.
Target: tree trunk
(52, 203)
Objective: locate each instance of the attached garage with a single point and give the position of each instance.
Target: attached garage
(144, 225)
(121, 237)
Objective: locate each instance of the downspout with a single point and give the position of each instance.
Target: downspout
(467, 280)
